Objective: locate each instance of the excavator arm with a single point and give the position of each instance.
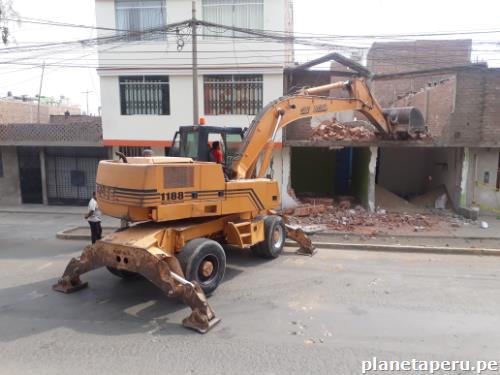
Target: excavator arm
(307, 103)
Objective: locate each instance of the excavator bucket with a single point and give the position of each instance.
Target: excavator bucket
(405, 120)
(151, 263)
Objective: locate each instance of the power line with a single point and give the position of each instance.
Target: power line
(282, 32)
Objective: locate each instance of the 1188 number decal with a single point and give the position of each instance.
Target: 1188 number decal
(174, 196)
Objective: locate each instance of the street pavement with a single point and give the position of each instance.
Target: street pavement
(292, 315)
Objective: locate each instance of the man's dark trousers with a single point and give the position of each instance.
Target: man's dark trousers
(95, 230)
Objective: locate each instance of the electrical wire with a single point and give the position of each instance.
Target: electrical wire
(282, 32)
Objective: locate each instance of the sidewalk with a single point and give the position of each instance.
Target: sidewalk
(470, 232)
(43, 209)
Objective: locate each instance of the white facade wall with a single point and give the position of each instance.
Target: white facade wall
(483, 165)
(162, 128)
(160, 57)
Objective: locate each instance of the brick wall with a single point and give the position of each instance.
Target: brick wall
(462, 108)
(491, 114)
(396, 57)
(436, 104)
(385, 58)
(466, 121)
(18, 112)
(74, 119)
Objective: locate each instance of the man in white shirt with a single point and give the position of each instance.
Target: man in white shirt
(93, 216)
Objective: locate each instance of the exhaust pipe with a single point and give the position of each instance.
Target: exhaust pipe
(407, 120)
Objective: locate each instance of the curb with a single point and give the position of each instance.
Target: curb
(40, 212)
(66, 234)
(412, 236)
(403, 248)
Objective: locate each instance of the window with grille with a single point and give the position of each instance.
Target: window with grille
(232, 94)
(138, 16)
(248, 14)
(144, 95)
(133, 150)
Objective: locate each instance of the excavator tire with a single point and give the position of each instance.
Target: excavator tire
(275, 235)
(127, 275)
(203, 261)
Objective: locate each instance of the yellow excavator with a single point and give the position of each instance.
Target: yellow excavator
(183, 209)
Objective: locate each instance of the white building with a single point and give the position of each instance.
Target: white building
(146, 81)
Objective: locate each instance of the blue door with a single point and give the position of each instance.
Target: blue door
(343, 171)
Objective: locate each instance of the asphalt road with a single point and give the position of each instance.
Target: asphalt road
(293, 315)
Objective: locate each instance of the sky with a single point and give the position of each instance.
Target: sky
(363, 17)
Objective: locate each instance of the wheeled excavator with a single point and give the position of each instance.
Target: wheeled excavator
(183, 209)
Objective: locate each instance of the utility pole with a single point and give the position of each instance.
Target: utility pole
(39, 94)
(194, 58)
(87, 98)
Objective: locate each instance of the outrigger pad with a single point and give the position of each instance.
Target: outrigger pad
(200, 328)
(306, 252)
(67, 287)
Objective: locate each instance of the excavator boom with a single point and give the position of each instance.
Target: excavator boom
(307, 103)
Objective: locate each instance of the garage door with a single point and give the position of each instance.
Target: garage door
(71, 173)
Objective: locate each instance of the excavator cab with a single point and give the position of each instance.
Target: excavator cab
(195, 142)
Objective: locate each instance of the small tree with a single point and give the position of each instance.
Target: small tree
(6, 11)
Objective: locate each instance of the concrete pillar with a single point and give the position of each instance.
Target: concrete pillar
(465, 184)
(10, 188)
(287, 200)
(43, 174)
(279, 168)
(372, 166)
(113, 150)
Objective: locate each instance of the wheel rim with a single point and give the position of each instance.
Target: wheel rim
(278, 236)
(208, 269)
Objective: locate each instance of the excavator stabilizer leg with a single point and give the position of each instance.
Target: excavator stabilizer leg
(70, 281)
(151, 264)
(202, 318)
(299, 236)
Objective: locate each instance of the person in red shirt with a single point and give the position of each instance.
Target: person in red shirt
(216, 154)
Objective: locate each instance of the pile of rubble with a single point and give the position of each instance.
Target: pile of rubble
(335, 130)
(345, 219)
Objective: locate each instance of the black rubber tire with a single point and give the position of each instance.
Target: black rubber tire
(271, 248)
(127, 275)
(192, 256)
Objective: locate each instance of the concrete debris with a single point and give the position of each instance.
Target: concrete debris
(436, 198)
(440, 202)
(390, 201)
(311, 229)
(357, 220)
(335, 130)
(317, 201)
(346, 220)
(307, 210)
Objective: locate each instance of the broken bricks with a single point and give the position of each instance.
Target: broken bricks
(334, 130)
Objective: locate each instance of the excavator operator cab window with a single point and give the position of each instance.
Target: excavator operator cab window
(190, 145)
(175, 149)
(233, 143)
